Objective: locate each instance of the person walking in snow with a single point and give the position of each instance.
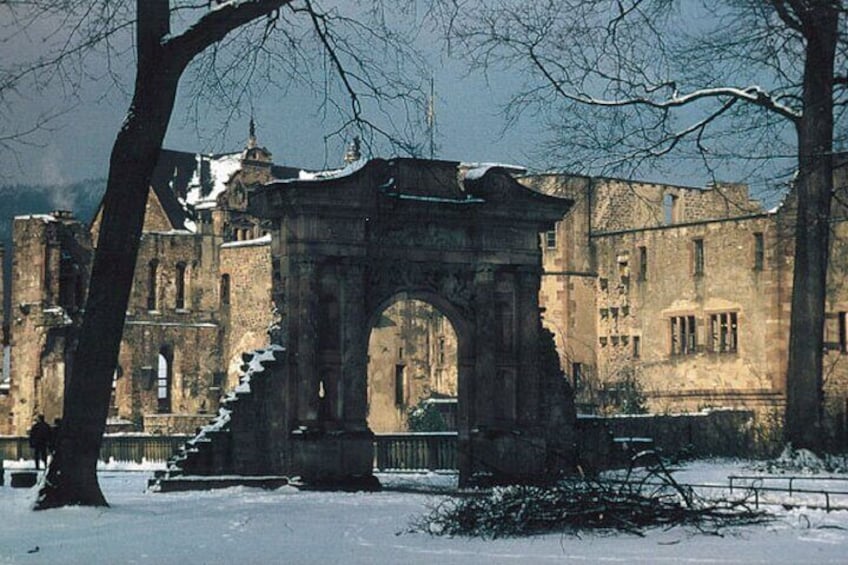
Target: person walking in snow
(39, 440)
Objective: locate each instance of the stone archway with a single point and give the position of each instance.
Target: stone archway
(466, 241)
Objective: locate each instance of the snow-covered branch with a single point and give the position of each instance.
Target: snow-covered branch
(751, 94)
(215, 25)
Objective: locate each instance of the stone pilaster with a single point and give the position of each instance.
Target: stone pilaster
(527, 327)
(306, 361)
(354, 350)
(485, 366)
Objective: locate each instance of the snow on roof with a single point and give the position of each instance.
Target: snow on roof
(439, 199)
(46, 218)
(171, 324)
(171, 232)
(221, 170)
(333, 173)
(264, 240)
(477, 170)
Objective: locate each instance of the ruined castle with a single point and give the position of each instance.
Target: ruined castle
(660, 298)
(669, 299)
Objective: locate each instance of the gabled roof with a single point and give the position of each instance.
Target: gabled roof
(171, 177)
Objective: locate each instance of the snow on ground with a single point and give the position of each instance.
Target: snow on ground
(246, 526)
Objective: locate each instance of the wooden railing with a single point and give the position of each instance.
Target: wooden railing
(403, 451)
(415, 451)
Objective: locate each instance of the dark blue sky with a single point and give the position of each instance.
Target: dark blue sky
(76, 145)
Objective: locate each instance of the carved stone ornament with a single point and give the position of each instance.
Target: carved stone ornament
(427, 236)
(454, 284)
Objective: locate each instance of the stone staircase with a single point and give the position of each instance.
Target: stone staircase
(240, 446)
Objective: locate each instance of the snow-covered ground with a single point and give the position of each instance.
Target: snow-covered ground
(245, 526)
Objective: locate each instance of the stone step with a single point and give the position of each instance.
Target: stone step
(23, 479)
(196, 482)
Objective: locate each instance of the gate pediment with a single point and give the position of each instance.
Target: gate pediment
(414, 203)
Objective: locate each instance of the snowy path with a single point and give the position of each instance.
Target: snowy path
(246, 526)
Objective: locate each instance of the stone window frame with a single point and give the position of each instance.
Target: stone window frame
(683, 334)
(671, 208)
(180, 286)
(723, 331)
(400, 385)
(550, 239)
(759, 251)
(164, 380)
(153, 285)
(643, 263)
(699, 257)
(225, 289)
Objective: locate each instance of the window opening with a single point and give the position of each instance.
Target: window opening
(225, 289)
(723, 332)
(683, 337)
(550, 239)
(698, 246)
(400, 398)
(669, 209)
(759, 252)
(181, 286)
(163, 385)
(152, 275)
(643, 263)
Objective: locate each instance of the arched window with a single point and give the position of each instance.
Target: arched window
(163, 383)
(181, 285)
(113, 403)
(152, 274)
(225, 289)
(670, 209)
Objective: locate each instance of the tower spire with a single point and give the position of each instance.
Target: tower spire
(251, 138)
(431, 117)
(354, 151)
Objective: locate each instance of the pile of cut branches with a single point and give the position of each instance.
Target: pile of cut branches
(631, 504)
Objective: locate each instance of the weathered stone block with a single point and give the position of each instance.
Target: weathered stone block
(343, 460)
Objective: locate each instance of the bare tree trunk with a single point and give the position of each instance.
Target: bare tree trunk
(72, 478)
(804, 393)
(72, 475)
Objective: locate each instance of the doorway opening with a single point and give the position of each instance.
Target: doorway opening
(412, 370)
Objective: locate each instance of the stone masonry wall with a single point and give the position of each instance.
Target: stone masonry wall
(250, 309)
(636, 313)
(623, 266)
(186, 333)
(49, 277)
(625, 205)
(567, 293)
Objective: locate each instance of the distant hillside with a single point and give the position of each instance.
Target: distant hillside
(81, 198)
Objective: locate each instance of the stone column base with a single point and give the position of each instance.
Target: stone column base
(334, 460)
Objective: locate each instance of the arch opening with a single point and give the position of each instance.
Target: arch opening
(413, 369)
(163, 382)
